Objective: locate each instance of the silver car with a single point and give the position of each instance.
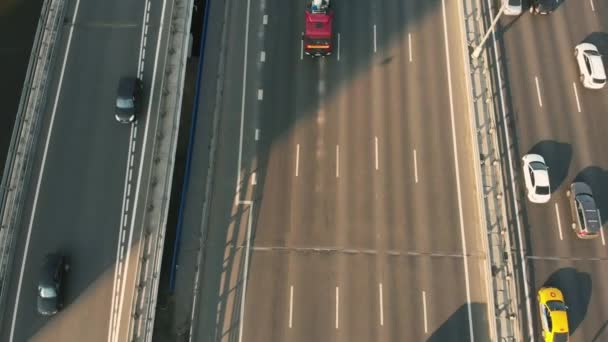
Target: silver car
(587, 222)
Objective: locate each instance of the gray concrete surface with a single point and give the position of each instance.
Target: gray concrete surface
(317, 231)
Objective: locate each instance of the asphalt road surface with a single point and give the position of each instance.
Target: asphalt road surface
(343, 199)
(83, 196)
(18, 22)
(559, 119)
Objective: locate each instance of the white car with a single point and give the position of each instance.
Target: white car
(536, 177)
(593, 75)
(512, 7)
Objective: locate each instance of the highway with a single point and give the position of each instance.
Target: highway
(82, 198)
(555, 116)
(342, 200)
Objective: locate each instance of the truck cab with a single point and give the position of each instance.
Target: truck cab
(318, 29)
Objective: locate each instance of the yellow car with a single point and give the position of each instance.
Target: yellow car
(553, 314)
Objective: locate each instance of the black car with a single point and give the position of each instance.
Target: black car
(128, 98)
(543, 6)
(51, 284)
(587, 222)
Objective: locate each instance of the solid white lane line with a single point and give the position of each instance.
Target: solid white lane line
(426, 324)
(415, 167)
(409, 43)
(137, 188)
(376, 148)
(338, 46)
(337, 161)
(559, 222)
(260, 94)
(375, 38)
(257, 134)
(44, 155)
(592, 7)
(246, 270)
(540, 100)
(290, 306)
(302, 48)
(337, 307)
(381, 305)
(578, 104)
(262, 56)
(458, 186)
(265, 19)
(297, 159)
(243, 92)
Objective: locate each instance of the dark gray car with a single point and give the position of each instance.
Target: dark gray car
(51, 284)
(128, 98)
(585, 214)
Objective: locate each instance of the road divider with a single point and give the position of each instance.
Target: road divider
(20, 157)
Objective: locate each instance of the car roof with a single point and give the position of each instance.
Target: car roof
(126, 85)
(541, 177)
(560, 321)
(578, 188)
(597, 66)
(590, 212)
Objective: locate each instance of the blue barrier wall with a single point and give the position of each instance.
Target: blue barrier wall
(182, 204)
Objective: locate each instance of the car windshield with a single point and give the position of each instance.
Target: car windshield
(599, 80)
(124, 103)
(538, 166)
(542, 190)
(47, 292)
(556, 305)
(592, 52)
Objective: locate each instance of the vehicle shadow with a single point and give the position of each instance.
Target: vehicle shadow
(599, 39)
(458, 325)
(597, 178)
(558, 157)
(576, 287)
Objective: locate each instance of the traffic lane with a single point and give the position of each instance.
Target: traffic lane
(584, 290)
(85, 141)
(17, 32)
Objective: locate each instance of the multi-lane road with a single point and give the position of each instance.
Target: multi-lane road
(82, 199)
(343, 200)
(555, 116)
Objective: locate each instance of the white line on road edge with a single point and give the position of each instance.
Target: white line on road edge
(426, 324)
(409, 43)
(415, 167)
(297, 159)
(139, 177)
(578, 104)
(522, 248)
(337, 307)
(290, 306)
(263, 56)
(338, 46)
(123, 224)
(257, 134)
(559, 222)
(265, 19)
(302, 47)
(374, 37)
(381, 305)
(592, 7)
(540, 100)
(247, 250)
(337, 161)
(455, 148)
(240, 156)
(44, 155)
(376, 148)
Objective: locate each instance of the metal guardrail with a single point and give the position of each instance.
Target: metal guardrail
(503, 305)
(16, 176)
(161, 173)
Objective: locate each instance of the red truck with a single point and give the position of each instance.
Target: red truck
(318, 31)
